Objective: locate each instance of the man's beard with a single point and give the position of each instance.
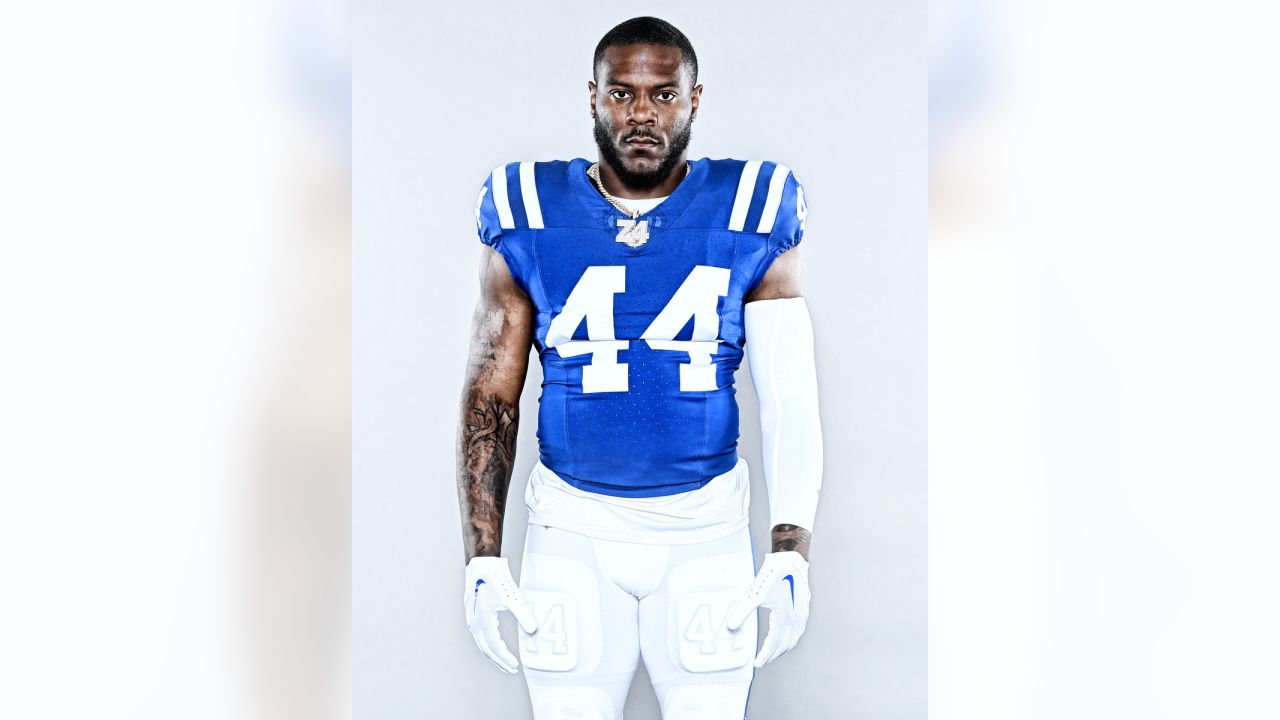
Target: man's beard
(643, 180)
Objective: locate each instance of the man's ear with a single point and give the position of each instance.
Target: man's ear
(693, 98)
(591, 88)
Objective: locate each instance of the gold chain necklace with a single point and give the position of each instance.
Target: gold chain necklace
(634, 232)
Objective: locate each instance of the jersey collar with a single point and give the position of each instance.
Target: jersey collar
(666, 214)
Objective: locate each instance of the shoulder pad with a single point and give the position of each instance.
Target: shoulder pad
(768, 200)
(508, 201)
(786, 225)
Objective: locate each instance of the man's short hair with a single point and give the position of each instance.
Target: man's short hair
(648, 31)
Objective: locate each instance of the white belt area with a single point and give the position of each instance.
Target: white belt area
(714, 510)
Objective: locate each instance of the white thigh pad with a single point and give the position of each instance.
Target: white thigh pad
(705, 642)
(565, 597)
(701, 591)
(555, 645)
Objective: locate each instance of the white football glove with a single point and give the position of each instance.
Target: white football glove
(490, 589)
(782, 586)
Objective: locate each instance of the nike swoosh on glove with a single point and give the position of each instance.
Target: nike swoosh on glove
(490, 589)
(782, 586)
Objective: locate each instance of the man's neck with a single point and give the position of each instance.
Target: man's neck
(614, 186)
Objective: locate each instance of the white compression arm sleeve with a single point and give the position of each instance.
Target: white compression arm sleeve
(780, 350)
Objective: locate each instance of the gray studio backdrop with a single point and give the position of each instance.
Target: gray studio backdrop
(444, 92)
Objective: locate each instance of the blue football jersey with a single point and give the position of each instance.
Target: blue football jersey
(639, 344)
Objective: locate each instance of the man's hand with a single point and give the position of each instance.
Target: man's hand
(782, 586)
(490, 589)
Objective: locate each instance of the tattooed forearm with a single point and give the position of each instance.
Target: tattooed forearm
(501, 334)
(791, 537)
(487, 452)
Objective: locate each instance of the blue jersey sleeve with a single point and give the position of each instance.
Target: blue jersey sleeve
(788, 225)
(787, 228)
(500, 228)
(488, 224)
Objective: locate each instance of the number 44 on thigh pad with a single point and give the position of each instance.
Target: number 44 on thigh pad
(705, 641)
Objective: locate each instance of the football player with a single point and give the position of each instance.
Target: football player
(641, 279)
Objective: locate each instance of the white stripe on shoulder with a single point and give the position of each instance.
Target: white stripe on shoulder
(774, 198)
(746, 188)
(505, 219)
(529, 191)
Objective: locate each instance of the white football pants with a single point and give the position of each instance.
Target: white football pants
(601, 605)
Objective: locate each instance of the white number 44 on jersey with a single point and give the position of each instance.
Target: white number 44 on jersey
(592, 300)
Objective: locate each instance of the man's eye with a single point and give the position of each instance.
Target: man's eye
(618, 94)
(666, 96)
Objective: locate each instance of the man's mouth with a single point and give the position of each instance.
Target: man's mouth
(642, 141)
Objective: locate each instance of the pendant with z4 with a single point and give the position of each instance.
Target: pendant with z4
(634, 233)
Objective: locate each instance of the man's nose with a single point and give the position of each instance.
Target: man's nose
(643, 112)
